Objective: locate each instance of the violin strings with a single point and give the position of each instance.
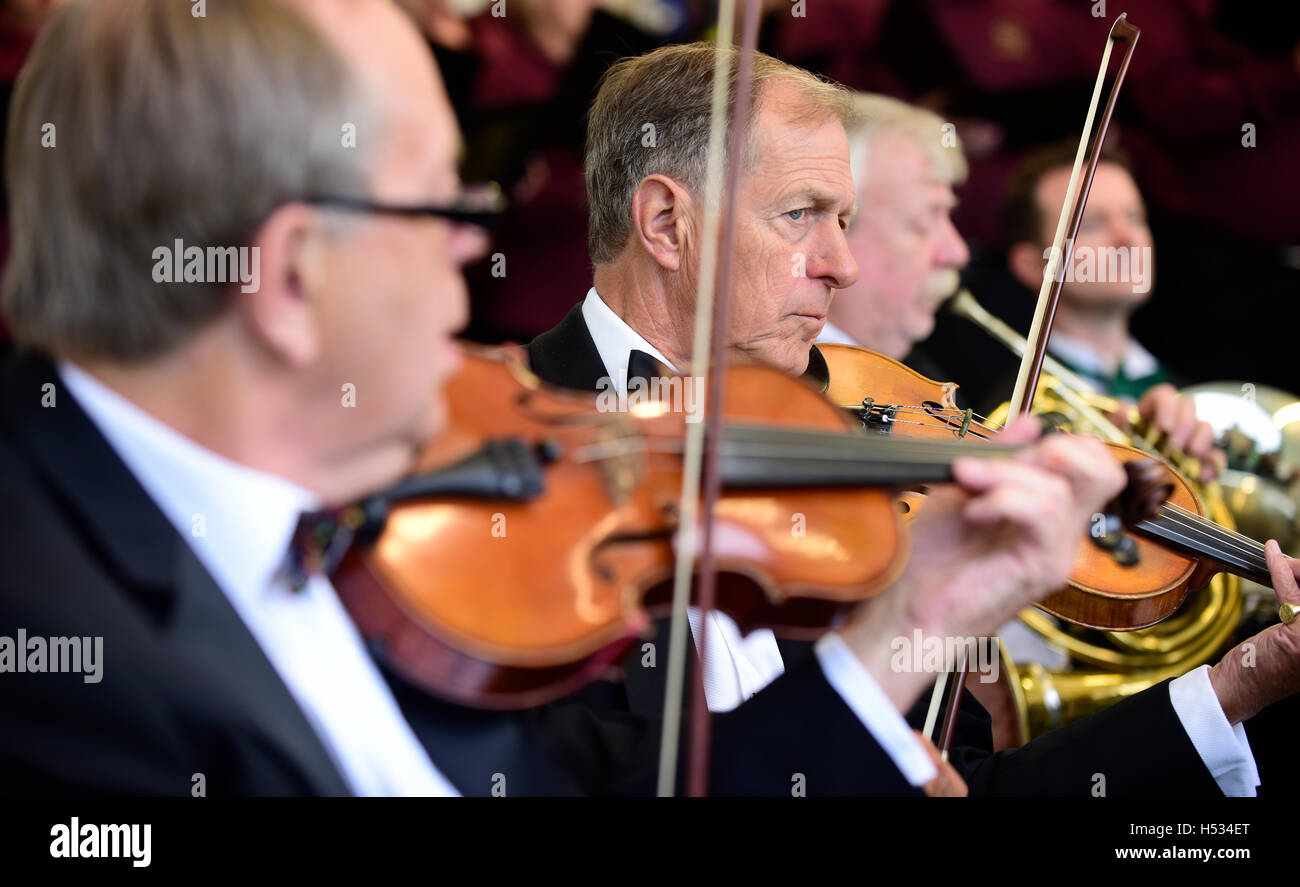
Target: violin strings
(974, 426)
(1228, 537)
(1226, 530)
(1213, 535)
(861, 455)
(944, 411)
(1208, 542)
(1243, 548)
(782, 447)
(983, 421)
(1197, 539)
(1172, 532)
(849, 446)
(806, 446)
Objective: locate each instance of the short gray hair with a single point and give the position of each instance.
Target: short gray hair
(167, 126)
(671, 90)
(876, 115)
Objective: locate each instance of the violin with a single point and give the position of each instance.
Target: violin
(1115, 586)
(529, 561)
(536, 540)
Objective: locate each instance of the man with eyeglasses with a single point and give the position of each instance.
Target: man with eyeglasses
(160, 441)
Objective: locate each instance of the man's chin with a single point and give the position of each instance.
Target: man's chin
(918, 333)
(1107, 297)
(796, 363)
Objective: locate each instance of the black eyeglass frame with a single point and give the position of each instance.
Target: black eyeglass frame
(478, 205)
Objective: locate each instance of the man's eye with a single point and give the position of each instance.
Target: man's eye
(795, 215)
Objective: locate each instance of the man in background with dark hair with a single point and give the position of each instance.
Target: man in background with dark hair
(1108, 274)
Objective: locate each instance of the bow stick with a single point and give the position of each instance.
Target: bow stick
(1049, 294)
(713, 297)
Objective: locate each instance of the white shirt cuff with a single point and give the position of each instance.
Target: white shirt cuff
(863, 695)
(1223, 747)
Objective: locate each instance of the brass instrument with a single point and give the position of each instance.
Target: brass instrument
(1105, 667)
(1259, 429)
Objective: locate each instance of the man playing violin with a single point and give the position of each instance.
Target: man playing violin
(161, 435)
(796, 199)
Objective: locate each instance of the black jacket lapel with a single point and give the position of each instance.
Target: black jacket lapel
(157, 569)
(90, 482)
(207, 631)
(566, 355)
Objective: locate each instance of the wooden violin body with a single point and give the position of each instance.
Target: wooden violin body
(1103, 591)
(505, 604)
(1106, 594)
(550, 536)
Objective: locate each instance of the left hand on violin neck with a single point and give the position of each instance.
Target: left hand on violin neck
(1265, 668)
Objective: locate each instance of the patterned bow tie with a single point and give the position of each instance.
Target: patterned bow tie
(509, 469)
(319, 543)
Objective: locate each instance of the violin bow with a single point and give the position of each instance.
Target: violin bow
(712, 311)
(1049, 294)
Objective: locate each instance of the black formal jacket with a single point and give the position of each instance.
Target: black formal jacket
(1138, 745)
(186, 690)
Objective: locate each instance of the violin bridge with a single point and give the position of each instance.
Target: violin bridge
(877, 417)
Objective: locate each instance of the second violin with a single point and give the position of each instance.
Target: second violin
(1116, 585)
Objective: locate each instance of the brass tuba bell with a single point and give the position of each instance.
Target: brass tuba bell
(1094, 669)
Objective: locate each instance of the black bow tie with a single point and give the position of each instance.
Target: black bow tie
(645, 367)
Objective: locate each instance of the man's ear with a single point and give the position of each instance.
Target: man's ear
(281, 312)
(661, 220)
(1026, 263)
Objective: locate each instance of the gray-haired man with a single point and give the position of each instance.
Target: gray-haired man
(159, 437)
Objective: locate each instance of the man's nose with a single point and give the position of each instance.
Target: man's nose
(834, 261)
(467, 244)
(1120, 230)
(952, 251)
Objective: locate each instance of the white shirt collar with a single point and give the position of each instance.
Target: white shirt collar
(615, 340)
(1137, 361)
(832, 334)
(238, 520)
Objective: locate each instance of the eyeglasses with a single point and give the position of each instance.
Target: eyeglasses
(479, 204)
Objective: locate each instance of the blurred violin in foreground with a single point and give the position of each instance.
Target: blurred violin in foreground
(523, 558)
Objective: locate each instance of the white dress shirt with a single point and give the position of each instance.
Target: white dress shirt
(833, 335)
(1137, 361)
(738, 666)
(239, 523)
(1223, 747)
